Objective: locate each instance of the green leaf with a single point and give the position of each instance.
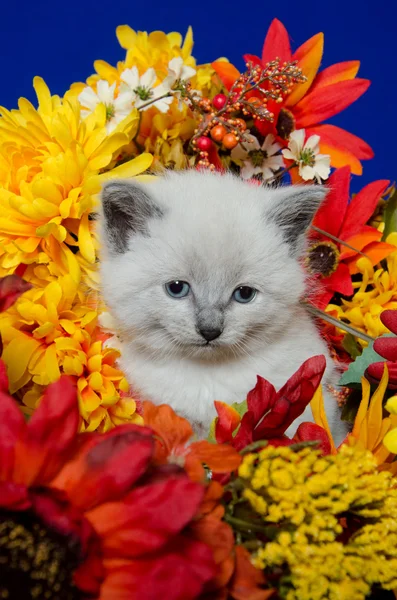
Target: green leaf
(351, 346)
(390, 216)
(352, 377)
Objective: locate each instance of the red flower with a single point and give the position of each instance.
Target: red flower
(322, 96)
(345, 220)
(173, 444)
(387, 348)
(270, 413)
(91, 514)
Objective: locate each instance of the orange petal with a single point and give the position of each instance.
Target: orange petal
(338, 72)
(359, 241)
(174, 430)
(376, 251)
(309, 57)
(220, 458)
(226, 72)
(359, 421)
(227, 421)
(341, 157)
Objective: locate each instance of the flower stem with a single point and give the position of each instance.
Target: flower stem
(167, 95)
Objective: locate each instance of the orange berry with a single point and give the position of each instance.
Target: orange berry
(218, 133)
(241, 124)
(230, 141)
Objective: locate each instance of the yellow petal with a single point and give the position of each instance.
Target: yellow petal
(17, 355)
(309, 57)
(390, 441)
(362, 409)
(95, 381)
(51, 362)
(126, 36)
(43, 95)
(391, 405)
(86, 244)
(375, 411)
(319, 415)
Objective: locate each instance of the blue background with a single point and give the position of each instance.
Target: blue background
(61, 40)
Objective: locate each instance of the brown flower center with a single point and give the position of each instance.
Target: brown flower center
(36, 562)
(285, 123)
(257, 157)
(322, 259)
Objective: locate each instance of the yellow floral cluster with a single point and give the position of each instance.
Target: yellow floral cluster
(374, 293)
(314, 499)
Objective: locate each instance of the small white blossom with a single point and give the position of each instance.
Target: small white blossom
(144, 91)
(258, 159)
(117, 108)
(312, 165)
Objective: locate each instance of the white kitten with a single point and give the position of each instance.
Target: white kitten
(201, 273)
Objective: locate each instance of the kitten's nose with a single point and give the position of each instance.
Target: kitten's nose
(210, 334)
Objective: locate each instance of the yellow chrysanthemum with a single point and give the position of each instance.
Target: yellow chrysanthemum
(52, 331)
(50, 160)
(376, 292)
(310, 497)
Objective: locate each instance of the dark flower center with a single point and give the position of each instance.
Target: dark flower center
(36, 562)
(285, 123)
(257, 157)
(143, 92)
(322, 259)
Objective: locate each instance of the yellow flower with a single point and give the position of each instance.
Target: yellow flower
(50, 160)
(311, 499)
(376, 292)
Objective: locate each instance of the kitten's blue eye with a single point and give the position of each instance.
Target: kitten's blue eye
(177, 289)
(244, 294)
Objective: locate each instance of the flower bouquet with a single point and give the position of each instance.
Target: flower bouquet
(109, 497)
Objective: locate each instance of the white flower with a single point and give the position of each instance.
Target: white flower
(312, 165)
(144, 91)
(258, 159)
(179, 71)
(116, 108)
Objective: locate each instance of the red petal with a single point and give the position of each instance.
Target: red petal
(107, 466)
(4, 384)
(255, 60)
(340, 138)
(179, 573)
(261, 399)
(276, 43)
(226, 423)
(13, 496)
(12, 427)
(389, 320)
(342, 71)
(11, 287)
(331, 213)
(49, 436)
(386, 347)
(309, 432)
(376, 369)
(245, 434)
(292, 399)
(323, 103)
(340, 281)
(362, 207)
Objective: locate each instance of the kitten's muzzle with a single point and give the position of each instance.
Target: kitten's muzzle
(210, 334)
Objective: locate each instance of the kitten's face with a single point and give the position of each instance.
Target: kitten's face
(205, 275)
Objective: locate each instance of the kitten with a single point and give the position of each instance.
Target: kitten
(201, 273)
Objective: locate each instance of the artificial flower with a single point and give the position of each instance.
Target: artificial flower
(145, 94)
(387, 348)
(116, 107)
(258, 159)
(311, 164)
(322, 96)
(328, 524)
(86, 524)
(176, 446)
(178, 71)
(269, 413)
(329, 259)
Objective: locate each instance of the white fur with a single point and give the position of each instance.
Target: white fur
(214, 234)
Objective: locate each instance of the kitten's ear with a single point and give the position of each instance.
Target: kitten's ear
(126, 209)
(292, 208)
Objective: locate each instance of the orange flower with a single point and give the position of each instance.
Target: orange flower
(174, 444)
(322, 96)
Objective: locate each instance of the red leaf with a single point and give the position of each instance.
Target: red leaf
(292, 399)
(389, 320)
(11, 287)
(49, 436)
(107, 465)
(276, 43)
(331, 213)
(362, 207)
(310, 432)
(322, 103)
